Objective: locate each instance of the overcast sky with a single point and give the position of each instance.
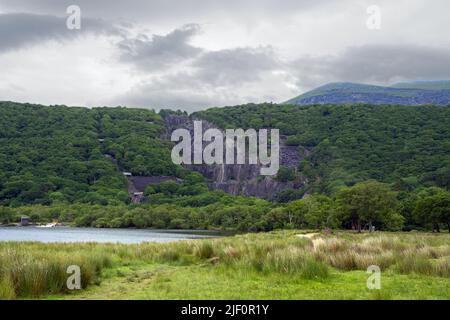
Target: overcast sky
(194, 54)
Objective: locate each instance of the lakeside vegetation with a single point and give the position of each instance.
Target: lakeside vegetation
(362, 206)
(276, 265)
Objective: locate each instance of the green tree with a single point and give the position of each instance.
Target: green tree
(168, 187)
(433, 206)
(321, 212)
(286, 174)
(7, 215)
(369, 203)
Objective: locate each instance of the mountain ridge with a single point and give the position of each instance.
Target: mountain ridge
(406, 93)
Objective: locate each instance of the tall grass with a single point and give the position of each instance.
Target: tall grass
(30, 270)
(34, 269)
(283, 252)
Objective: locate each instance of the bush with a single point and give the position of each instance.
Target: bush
(286, 174)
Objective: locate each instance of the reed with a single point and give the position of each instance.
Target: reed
(27, 271)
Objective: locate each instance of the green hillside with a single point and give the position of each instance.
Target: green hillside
(407, 94)
(64, 164)
(52, 154)
(133, 138)
(350, 143)
(352, 88)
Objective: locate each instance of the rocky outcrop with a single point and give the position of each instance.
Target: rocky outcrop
(244, 179)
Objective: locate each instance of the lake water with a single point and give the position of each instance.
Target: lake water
(67, 234)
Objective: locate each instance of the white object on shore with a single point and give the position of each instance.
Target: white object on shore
(50, 225)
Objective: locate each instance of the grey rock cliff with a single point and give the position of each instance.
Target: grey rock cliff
(240, 179)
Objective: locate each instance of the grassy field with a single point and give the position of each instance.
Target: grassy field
(277, 265)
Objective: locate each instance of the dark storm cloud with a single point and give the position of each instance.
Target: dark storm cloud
(374, 64)
(19, 30)
(159, 51)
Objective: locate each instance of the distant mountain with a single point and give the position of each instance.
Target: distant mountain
(408, 93)
(426, 85)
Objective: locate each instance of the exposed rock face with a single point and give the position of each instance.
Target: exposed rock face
(240, 179)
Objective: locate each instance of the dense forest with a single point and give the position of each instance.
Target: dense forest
(403, 145)
(133, 138)
(54, 154)
(367, 166)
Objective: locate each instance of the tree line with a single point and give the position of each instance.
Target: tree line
(369, 205)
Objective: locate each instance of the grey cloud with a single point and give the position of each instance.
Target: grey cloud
(182, 90)
(164, 10)
(237, 65)
(178, 91)
(164, 99)
(382, 64)
(159, 51)
(176, 73)
(218, 76)
(220, 67)
(19, 30)
(202, 78)
(215, 67)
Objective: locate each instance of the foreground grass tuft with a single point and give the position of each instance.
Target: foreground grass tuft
(32, 269)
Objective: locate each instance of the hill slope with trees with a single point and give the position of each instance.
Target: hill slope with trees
(405, 145)
(382, 166)
(57, 153)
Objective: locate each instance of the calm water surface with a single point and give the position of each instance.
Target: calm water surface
(68, 234)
